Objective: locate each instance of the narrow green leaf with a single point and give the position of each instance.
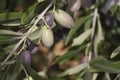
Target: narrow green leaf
(88, 75)
(28, 14)
(81, 38)
(87, 24)
(74, 70)
(5, 40)
(9, 32)
(40, 1)
(9, 48)
(69, 54)
(41, 6)
(12, 71)
(98, 37)
(2, 5)
(114, 9)
(10, 16)
(78, 24)
(115, 52)
(32, 72)
(2, 56)
(80, 75)
(12, 23)
(104, 65)
(117, 63)
(16, 70)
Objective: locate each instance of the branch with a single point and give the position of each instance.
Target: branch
(27, 33)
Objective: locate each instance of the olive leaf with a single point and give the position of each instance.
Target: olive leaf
(13, 72)
(78, 24)
(104, 65)
(28, 14)
(33, 73)
(74, 69)
(69, 54)
(12, 23)
(10, 16)
(2, 6)
(2, 56)
(87, 24)
(6, 40)
(9, 32)
(115, 52)
(16, 70)
(88, 75)
(81, 38)
(98, 37)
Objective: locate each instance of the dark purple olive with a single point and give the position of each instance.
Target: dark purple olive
(32, 47)
(34, 50)
(26, 57)
(49, 18)
(86, 3)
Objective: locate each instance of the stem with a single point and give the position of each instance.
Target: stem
(45, 23)
(28, 32)
(117, 77)
(107, 75)
(23, 46)
(93, 32)
(27, 76)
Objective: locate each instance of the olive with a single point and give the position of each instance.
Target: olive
(26, 57)
(49, 18)
(63, 18)
(47, 36)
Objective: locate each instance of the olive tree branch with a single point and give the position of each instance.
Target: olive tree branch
(27, 33)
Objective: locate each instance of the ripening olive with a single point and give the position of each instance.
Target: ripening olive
(49, 18)
(26, 57)
(47, 36)
(63, 18)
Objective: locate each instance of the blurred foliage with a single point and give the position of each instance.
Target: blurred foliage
(90, 50)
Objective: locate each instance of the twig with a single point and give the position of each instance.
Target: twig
(117, 77)
(93, 32)
(25, 36)
(25, 71)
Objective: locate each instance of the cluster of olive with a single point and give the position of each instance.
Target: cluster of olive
(48, 23)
